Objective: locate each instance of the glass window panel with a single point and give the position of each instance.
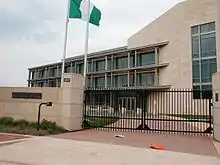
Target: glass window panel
(121, 63)
(55, 72)
(120, 81)
(207, 27)
(208, 45)
(195, 30)
(109, 82)
(67, 69)
(80, 68)
(146, 59)
(132, 61)
(131, 79)
(209, 67)
(146, 79)
(109, 65)
(213, 66)
(99, 82)
(99, 65)
(59, 71)
(89, 81)
(205, 70)
(90, 67)
(195, 46)
(196, 72)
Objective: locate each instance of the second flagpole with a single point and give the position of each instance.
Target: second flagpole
(86, 40)
(65, 43)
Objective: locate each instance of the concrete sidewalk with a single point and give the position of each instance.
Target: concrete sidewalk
(52, 151)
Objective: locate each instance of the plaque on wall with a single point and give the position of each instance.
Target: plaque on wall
(26, 95)
(66, 79)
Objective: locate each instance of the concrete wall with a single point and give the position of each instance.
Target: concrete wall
(216, 105)
(67, 109)
(175, 26)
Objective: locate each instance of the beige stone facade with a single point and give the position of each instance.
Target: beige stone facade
(216, 106)
(175, 27)
(67, 109)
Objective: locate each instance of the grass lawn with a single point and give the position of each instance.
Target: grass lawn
(8, 125)
(94, 122)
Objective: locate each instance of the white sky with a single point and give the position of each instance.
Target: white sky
(32, 31)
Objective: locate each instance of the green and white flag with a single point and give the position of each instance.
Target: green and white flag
(79, 9)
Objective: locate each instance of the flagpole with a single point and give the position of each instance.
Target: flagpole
(65, 42)
(86, 40)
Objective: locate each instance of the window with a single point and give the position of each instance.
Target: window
(203, 92)
(55, 72)
(120, 81)
(146, 59)
(67, 69)
(99, 65)
(109, 65)
(90, 67)
(209, 67)
(52, 72)
(195, 46)
(145, 79)
(196, 72)
(99, 82)
(33, 75)
(204, 63)
(89, 82)
(131, 80)
(59, 71)
(195, 30)
(109, 82)
(132, 61)
(209, 27)
(42, 74)
(80, 68)
(208, 45)
(121, 62)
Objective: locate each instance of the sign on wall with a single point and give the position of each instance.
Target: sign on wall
(26, 95)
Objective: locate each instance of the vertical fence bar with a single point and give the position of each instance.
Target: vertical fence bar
(210, 114)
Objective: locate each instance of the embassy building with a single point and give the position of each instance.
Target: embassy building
(177, 50)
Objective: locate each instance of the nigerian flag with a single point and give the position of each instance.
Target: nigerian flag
(81, 8)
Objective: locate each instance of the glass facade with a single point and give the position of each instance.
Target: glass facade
(204, 62)
(114, 67)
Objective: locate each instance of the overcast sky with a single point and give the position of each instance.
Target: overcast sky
(32, 31)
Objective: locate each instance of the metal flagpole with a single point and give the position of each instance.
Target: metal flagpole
(87, 39)
(65, 42)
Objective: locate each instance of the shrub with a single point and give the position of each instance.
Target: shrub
(22, 123)
(6, 121)
(8, 125)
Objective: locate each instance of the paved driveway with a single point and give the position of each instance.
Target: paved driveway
(179, 143)
(54, 151)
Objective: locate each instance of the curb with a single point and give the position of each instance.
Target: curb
(12, 134)
(7, 142)
(11, 142)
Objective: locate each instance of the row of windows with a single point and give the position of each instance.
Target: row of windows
(96, 66)
(204, 62)
(143, 79)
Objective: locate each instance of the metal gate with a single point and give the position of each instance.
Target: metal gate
(171, 111)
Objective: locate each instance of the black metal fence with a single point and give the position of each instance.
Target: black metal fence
(147, 110)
